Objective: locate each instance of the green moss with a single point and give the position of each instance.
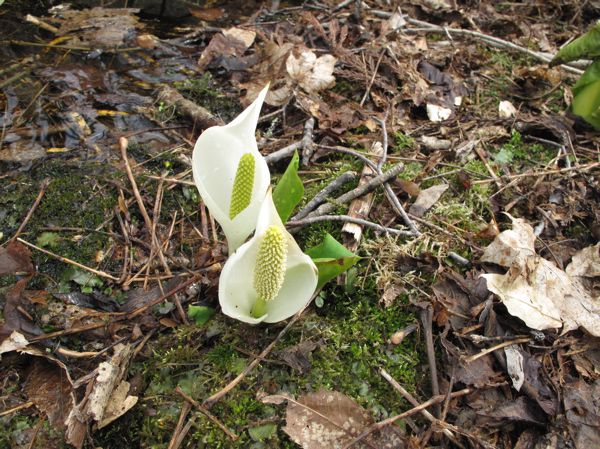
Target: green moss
(403, 142)
(518, 153)
(411, 171)
(352, 330)
(204, 91)
(74, 199)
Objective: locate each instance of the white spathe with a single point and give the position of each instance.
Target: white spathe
(215, 161)
(236, 292)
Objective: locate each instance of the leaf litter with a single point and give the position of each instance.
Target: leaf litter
(516, 325)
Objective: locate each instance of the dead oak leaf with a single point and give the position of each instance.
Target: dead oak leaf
(331, 420)
(230, 43)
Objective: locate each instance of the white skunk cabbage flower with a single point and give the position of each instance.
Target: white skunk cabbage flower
(231, 175)
(268, 278)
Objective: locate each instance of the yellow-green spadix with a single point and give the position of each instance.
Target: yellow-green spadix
(231, 175)
(268, 278)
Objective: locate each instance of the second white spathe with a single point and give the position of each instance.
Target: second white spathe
(237, 294)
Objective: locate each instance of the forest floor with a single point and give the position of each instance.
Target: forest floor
(112, 334)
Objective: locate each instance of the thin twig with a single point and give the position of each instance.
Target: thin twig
(388, 189)
(119, 315)
(427, 320)
(16, 408)
(231, 385)
(123, 147)
(491, 40)
(40, 23)
(495, 348)
(413, 411)
(69, 261)
(36, 430)
(284, 153)
(581, 168)
(185, 409)
(36, 203)
(359, 191)
(348, 219)
(206, 413)
(322, 196)
(410, 398)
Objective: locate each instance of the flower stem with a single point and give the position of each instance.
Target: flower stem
(259, 308)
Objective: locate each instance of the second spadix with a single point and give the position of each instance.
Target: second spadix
(231, 175)
(268, 278)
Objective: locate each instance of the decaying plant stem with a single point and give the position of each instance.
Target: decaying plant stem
(359, 191)
(347, 219)
(322, 196)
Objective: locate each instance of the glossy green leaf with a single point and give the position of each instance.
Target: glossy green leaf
(289, 190)
(584, 47)
(200, 314)
(331, 258)
(263, 432)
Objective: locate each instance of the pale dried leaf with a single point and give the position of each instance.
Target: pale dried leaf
(534, 289)
(585, 263)
(311, 73)
(526, 295)
(229, 43)
(14, 342)
(242, 35)
(119, 403)
(514, 366)
(426, 199)
(330, 420)
(506, 109)
(512, 245)
(437, 113)
(109, 376)
(106, 397)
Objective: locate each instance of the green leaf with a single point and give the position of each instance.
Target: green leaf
(587, 104)
(200, 314)
(83, 278)
(289, 190)
(586, 95)
(263, 432)
(48, 239)
(591, 75)
(331, 258)
(586, 47)
(165, 307)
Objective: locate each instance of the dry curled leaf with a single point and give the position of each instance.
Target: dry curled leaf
(536, 290)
